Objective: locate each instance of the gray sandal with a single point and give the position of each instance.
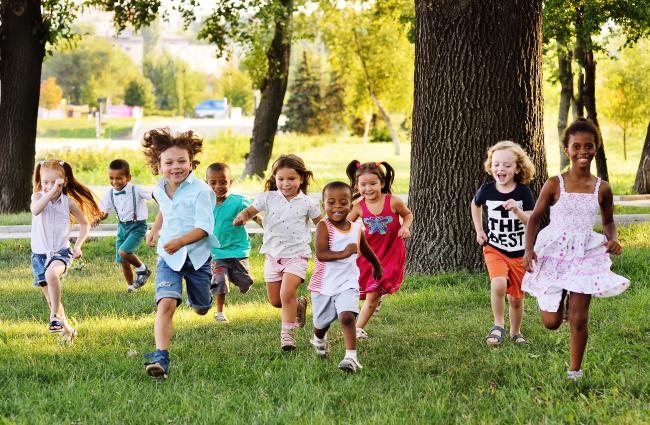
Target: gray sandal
(518, 339)
(492, 335)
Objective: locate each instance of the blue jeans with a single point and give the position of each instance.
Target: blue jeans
(169, 284)
(40, 263)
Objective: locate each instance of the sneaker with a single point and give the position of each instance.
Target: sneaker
(350, 365)
(158, 364)
(361, 334)
(287, 341)
(130, 289)
(320, 347)
(220, 317)
(141, 277)
(575, 375)
(301, 311)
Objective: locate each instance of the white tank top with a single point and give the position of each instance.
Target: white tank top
(51, 228)
(333, 277)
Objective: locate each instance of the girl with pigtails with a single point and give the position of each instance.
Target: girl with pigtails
(381, 213)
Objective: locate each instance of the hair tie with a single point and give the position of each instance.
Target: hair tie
(378, 164)
(61, 162)
(358, 164)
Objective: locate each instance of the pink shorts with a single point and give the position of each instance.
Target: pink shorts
(275, 267)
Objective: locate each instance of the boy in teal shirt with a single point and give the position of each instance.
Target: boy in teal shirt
(230, 261)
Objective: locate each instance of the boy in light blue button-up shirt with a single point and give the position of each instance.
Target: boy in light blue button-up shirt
(184, 226)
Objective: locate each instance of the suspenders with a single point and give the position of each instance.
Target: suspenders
(135, 213)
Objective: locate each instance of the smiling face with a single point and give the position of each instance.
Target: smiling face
(175, 164)
(288, 182)
(337, 203)
(49, 176)
(219, 181)
(118, 179)
(504, 167)
(369, 186)
(581, 149)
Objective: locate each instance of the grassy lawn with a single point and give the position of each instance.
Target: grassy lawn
(84, 128)
(424, 363)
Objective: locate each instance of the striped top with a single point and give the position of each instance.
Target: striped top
(333, 277)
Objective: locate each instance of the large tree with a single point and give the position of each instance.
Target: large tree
(478, 80)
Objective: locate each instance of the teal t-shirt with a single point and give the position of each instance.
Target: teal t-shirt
(233, 239)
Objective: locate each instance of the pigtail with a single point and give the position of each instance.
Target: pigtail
(37, 177)
(351, 171)
(84, 197)
(390, 176)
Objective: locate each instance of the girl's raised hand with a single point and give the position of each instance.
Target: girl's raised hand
(481, 237)
(613, 247)
(152, 238)
(404, 232)
(529, 260)
(76, 253)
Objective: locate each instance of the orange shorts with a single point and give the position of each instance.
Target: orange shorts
(500, 265)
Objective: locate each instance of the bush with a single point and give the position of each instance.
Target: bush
(380, 135)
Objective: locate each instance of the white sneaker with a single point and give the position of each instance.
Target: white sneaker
(130, 289)
(361, 334)
(220, 317)
(575, 375)
(321, 347)
(350, 365)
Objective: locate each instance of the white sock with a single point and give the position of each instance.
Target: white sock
(141, 268)
(351, 354)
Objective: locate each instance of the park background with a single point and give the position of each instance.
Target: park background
(350, 79)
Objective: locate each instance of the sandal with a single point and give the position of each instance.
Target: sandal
(56, 325)
(492, 335)
(518, 339)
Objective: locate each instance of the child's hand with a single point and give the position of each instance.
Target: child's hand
(378, 272)
(511, 205)
(57, 187)
(481, 237)
(529, 260)
(172, 246)
(613, 247)
(151, 238)
(404, 232)
(239, 220)
(349, 250)
(76, 253)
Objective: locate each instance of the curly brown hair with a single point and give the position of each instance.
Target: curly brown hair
(158, 140)
(289, 161)
(525, 165)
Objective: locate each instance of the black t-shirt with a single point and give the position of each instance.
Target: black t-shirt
(504, 230)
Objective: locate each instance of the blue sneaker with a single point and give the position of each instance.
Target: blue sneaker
(141, 277)
(158, 364)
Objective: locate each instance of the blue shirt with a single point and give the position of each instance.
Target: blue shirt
(190, 208)
(233, 239)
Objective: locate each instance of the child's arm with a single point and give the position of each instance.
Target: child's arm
(84, 228)
(244, 216)
(323, 252)
(545, 200)
(39, 202)
(606, 202)
(190, 237)
(477, 219)
(152, 235)
(403, 211)
(511, 205)
(355, 213)
(367, 252)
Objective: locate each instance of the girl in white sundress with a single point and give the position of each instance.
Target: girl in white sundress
(570, 262)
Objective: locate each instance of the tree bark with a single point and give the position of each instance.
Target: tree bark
(21, 56)
(592, 114)
(273, 90)
(642, 181)
(474, 86)
(566, 97)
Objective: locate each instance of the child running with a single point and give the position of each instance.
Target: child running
(127, 201)
(185, 225)
(334, 285)
(569, 262)
(380, 212)
(58, 195)
(508, 202)
(287, 210)
(229, 261)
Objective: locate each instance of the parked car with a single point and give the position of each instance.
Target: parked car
(212, 108)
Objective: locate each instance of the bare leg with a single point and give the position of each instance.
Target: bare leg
(127, 272)
(321, 333)
(516, 314)
(348, 325)
(498, 287)
(162, 328)
(288, 288)
(578, 318)
(553, 319)
(53, 278)
(273, 293)
(130, 258)
(369, 307)
(221, 300)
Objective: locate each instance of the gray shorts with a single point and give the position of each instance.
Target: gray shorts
(226, 270)
(326, 309)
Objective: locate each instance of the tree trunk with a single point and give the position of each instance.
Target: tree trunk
(642, 181)
(473, 87)
(273, 89)
(566, 97)
(21, 57)
(373, 96)
(590, 106)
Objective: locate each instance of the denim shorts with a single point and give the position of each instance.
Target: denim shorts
(40, 263)
(169, 284)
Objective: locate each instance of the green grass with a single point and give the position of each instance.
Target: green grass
(84, 128)
(628, 209)
(424, 363)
